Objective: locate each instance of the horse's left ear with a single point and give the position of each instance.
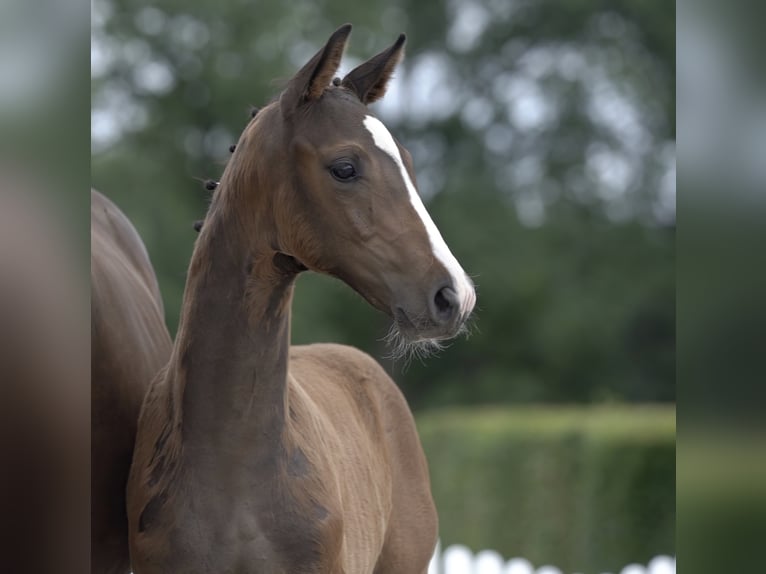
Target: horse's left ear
(314, 77)
(369, 80)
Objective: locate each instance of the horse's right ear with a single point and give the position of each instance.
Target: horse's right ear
(312, 79)
(369, 80)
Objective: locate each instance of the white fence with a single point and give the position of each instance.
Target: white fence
(458, 559)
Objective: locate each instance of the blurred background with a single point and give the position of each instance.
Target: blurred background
(543, 136)
(44, 298)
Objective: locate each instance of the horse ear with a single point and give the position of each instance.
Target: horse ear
(369, 80)
(315, 76)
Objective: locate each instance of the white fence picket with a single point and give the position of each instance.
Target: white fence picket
(662, 565)
(458, 559)
(519, 566)
(489, 562)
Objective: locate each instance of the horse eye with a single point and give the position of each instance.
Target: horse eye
(343, 171)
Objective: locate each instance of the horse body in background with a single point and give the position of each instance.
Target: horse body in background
(129, 344)
(254, 456)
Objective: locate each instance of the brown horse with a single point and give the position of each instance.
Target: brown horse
(253, 456)
(129, 344)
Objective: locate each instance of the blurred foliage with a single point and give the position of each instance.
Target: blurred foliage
(543, 137)
(587, 489)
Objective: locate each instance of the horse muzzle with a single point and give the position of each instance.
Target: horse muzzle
(444, 315)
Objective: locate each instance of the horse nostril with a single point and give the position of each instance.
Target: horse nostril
(446, 303)
(442, 304)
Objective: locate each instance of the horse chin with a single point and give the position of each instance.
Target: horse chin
(403, 344)
(408, 339)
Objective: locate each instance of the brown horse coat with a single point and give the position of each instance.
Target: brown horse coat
(129, 344)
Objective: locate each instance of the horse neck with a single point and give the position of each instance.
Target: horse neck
(230, 359)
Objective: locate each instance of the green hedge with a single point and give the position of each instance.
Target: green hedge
(585, 489)
(721, 501)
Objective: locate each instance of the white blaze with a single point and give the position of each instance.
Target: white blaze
(463, 287)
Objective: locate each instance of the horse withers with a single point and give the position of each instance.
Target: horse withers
(255, 456)
(129, 344)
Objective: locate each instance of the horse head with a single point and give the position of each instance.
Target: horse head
(338, 196)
